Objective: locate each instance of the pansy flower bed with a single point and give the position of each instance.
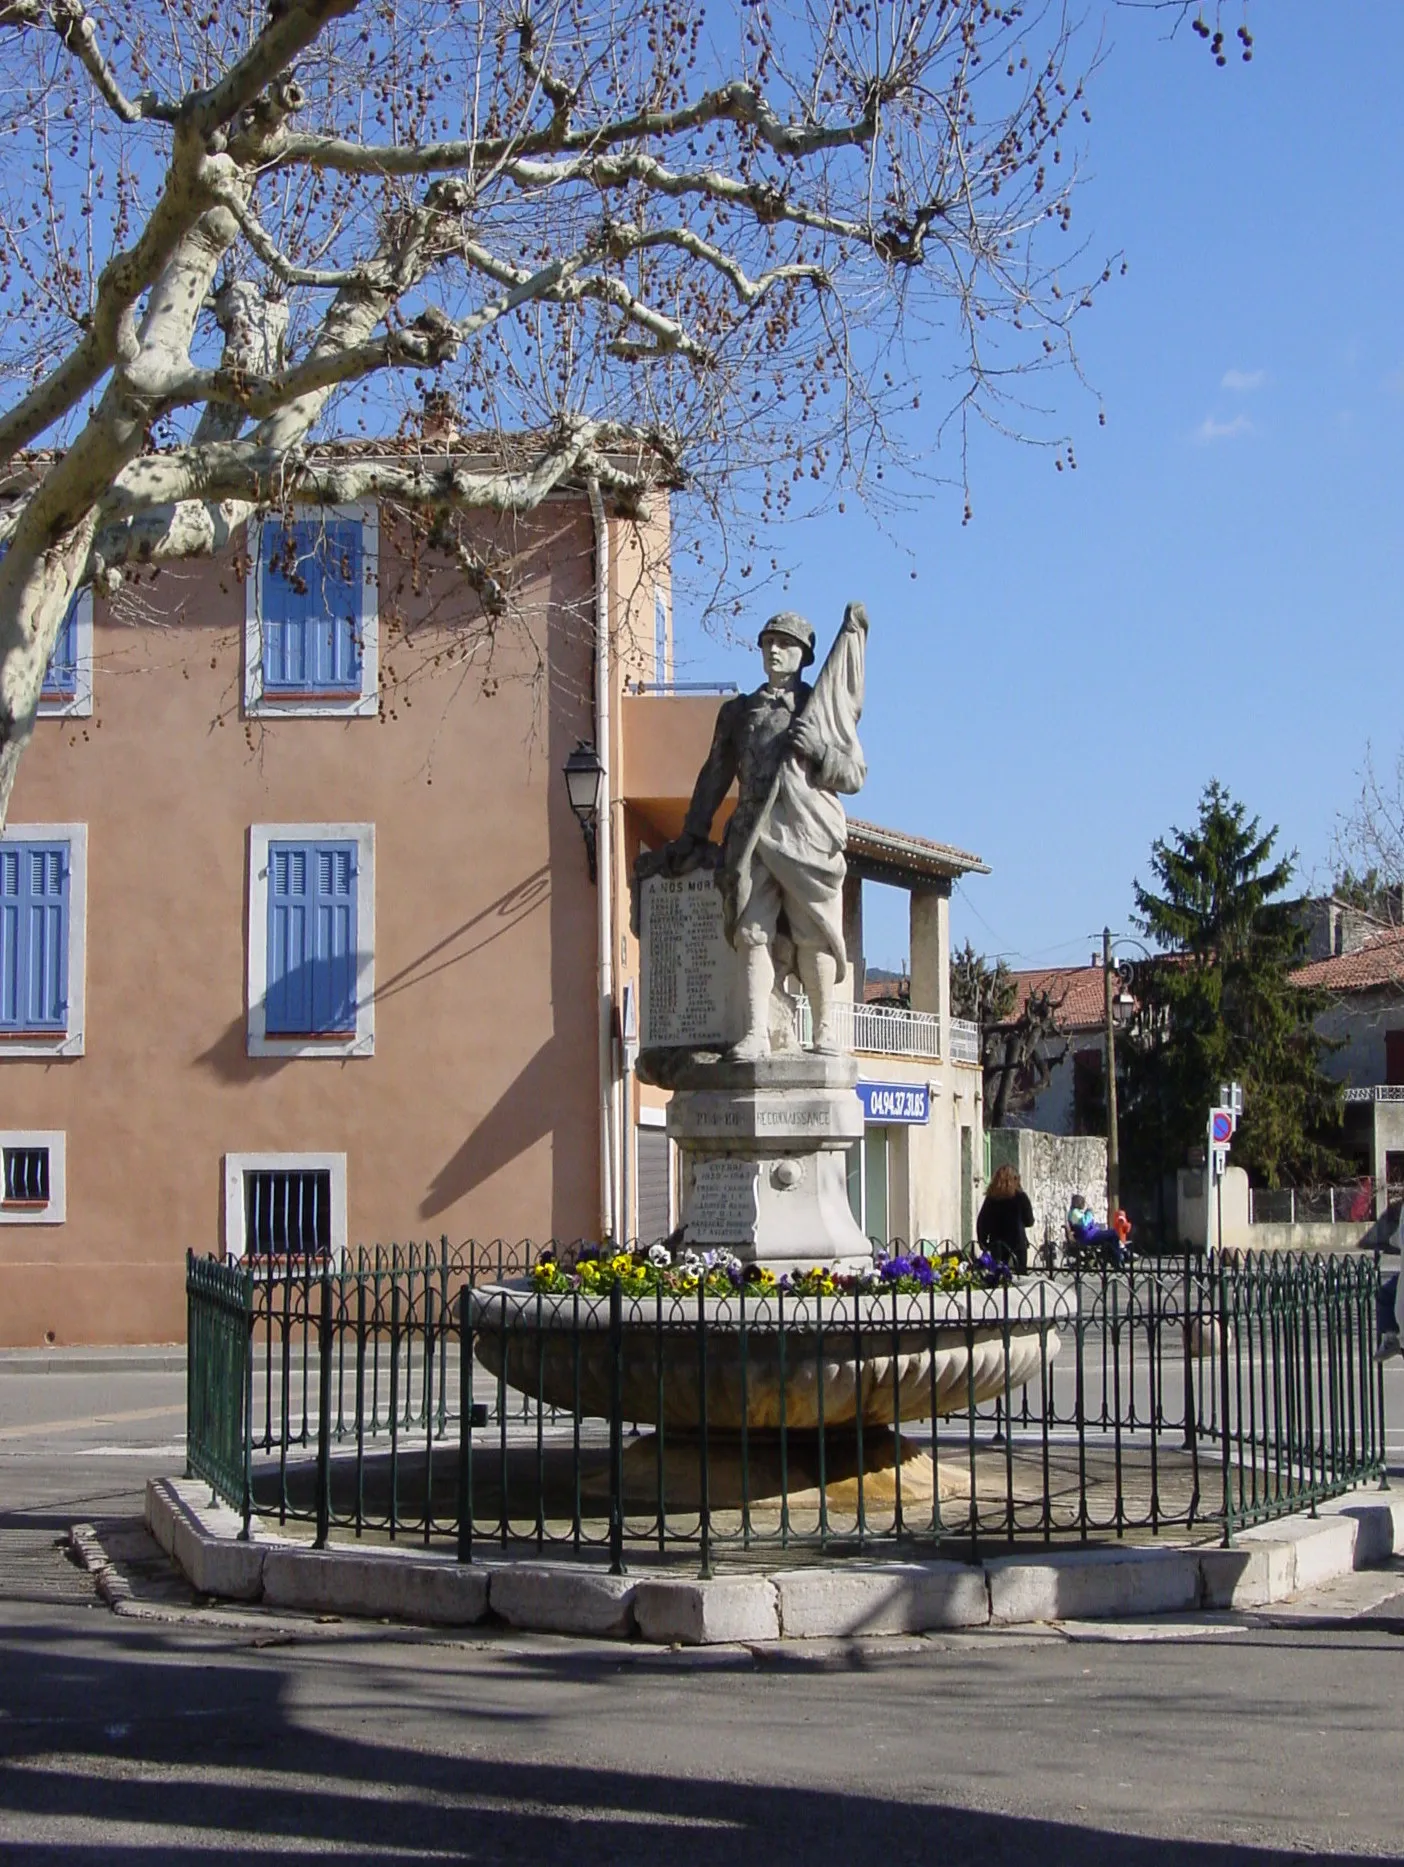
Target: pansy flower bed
(595, 1272)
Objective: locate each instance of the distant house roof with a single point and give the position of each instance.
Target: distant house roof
(894, 855)
(1077, 991)
(1378, 963)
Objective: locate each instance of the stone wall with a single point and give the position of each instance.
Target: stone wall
(1052, 1167)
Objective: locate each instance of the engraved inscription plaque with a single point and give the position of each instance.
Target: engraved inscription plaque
(687, 967)
(724, 1204)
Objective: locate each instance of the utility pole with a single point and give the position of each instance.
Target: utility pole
(1113, 1140)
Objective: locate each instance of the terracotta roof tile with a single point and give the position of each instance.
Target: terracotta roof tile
(1077, 991)
(1380, 962)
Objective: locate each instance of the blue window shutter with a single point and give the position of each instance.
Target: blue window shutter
(289, 573)
(334, 965)
(11, 931)
(289, 1000)
(34, 879)
(311, 939)
(61, 675)
(313, 596)
(343, 605)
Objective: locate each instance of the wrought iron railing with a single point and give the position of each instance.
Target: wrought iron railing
(965, 1041)
(880, 1030)
(410, 1393)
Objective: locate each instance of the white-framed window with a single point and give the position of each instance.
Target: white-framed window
(33, 1177)
(311, 940)
(43, 939)
(68, 680)
(284, 1205)
(311, 613)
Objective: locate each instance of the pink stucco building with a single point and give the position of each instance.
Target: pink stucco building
(300, 944)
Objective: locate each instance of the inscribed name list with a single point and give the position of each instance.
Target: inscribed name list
(687, 967)
(724, 1203)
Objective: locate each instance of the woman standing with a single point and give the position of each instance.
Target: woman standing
(1005, 1216)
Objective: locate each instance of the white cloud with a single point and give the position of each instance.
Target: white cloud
(1243, 380)
(1211, 430)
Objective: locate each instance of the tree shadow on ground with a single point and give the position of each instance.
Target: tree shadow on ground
(162, 1750)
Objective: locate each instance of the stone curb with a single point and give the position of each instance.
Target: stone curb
(92, 1361)
(848, 1600)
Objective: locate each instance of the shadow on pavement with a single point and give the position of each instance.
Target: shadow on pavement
(157, 1756)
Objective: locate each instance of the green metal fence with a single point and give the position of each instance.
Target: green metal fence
(411, 1393)
(218, 1379)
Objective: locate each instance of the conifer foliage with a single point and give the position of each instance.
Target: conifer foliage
(1220, 1006)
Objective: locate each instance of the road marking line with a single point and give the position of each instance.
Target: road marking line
(97, 1419)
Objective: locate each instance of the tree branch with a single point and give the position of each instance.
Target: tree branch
(77, 33)
(738, 103)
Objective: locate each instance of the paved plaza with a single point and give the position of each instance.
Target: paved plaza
(198, 1732)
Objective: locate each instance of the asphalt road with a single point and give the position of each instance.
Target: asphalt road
(129, 1740)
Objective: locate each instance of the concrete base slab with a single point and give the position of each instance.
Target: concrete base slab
(1380, 1528)
(380, 1585)
(562, 1600)
(1297, 1559)
(1249, 1576)
(693, 1614)
(887, 1598)
(202, 1538)
(1324, 1547)
(1093, 1585)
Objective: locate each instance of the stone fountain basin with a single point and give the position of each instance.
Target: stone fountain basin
(880, 1358)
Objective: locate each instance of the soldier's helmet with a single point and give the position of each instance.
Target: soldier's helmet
(795, 629)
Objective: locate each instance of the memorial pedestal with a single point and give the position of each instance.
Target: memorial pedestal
(764, 1151)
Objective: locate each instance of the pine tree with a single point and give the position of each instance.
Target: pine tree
(1220, 1007)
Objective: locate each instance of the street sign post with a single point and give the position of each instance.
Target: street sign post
(1223, 1121)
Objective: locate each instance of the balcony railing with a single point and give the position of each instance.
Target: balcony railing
(880, 1030)
(965, 1041)
(1375, 1092)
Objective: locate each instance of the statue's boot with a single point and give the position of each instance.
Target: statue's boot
(818, 971)
(759, 977)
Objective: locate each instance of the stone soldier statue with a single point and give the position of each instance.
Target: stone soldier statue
(792, 749)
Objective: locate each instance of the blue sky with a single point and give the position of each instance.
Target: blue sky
(1216, 591)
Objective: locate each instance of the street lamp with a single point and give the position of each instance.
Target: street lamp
(1119, 1005)
(584, 776)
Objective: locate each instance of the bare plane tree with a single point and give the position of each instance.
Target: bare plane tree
(1368, 848)
(628, 242)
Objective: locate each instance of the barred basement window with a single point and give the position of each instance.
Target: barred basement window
(288, 1211)
(26, 1176)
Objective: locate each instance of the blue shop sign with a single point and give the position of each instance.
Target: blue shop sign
(895, 1102)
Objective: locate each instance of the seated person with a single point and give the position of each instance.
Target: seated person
(1086, 1231)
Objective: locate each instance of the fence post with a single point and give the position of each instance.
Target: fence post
(465, 1428)
(616, 1429)
(1191, 1323)
(189, 1355)
(324, 1371)
(250, 1324)
(1224, 1437)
